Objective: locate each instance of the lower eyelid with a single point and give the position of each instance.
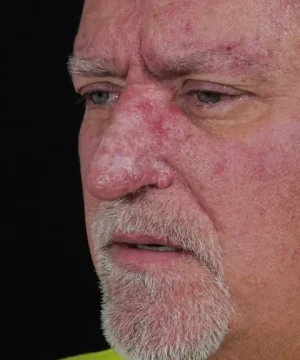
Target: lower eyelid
(212, 109)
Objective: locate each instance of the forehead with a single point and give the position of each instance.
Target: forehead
(121, 31)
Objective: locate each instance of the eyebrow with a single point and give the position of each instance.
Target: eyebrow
(94, 67)
(236, 62)
(217, 60)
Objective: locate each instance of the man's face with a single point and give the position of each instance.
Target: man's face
(191, 134)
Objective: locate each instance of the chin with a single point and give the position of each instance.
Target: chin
(170, 316)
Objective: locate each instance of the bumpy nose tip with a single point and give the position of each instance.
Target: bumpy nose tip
(114, 176)
(131, 151)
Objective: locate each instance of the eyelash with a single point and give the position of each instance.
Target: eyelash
(86, 97)
(223, 97)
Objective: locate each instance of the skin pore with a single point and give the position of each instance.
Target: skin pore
(192, 132)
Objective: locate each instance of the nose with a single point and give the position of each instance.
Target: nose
(128, 156)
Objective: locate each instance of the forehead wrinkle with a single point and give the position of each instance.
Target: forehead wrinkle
(169, 53)
(221, 59)
(292, 5)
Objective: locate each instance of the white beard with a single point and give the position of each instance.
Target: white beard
(180, 314)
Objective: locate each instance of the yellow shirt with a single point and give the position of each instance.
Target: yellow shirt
(109, 354)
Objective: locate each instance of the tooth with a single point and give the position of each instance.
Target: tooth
(156, 248)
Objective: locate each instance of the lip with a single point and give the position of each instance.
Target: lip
(141, 239)
(141, 259)
(124, 254)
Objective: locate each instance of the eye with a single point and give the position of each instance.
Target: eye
(205, 100)
(210, 97)
(99, 97)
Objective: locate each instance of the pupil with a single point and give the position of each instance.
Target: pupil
(209, 97)
(100, 97)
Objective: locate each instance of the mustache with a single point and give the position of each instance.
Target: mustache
(168, 220)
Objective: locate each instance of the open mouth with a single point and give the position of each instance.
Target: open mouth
(148, 254)
(153, 247)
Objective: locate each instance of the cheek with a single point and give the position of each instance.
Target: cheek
(251, 191)
(254, 176)
(87, 144)
(88, 141)
(249, 188)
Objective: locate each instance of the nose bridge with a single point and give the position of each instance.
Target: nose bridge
(138, 106)
(128, 154)
(131, 132)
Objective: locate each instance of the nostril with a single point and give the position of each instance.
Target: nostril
(138, 194)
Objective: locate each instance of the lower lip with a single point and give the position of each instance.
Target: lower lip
(123, 254)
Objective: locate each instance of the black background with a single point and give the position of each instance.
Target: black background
(56, 289)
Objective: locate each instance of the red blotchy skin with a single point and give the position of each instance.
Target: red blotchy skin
(220, 168)
(238, 165)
